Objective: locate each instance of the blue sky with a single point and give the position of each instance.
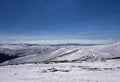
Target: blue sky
(59, 19)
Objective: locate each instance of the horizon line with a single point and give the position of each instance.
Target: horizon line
(62, 41)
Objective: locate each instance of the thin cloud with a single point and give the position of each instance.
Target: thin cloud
(79, 41)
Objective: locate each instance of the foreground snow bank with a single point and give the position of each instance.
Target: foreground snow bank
(108, 71)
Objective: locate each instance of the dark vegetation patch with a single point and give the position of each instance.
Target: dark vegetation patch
(5, 57)
(92, 69)
(108, 68)
(118, 67)
(113, 58)
(89, 68)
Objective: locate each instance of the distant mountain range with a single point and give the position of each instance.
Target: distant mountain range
(35, 53)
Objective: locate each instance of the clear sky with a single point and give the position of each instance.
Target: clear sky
(60, 19)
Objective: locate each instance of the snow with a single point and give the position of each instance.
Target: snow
(37, 53)
(30, 65)
(108, 71)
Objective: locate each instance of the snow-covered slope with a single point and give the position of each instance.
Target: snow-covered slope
(37, 53)
(108, 71)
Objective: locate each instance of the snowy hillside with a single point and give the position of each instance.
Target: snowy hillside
(38, 53)
(61, 63)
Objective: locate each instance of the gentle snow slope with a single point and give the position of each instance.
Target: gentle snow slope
(60, 53)
(108, 71)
